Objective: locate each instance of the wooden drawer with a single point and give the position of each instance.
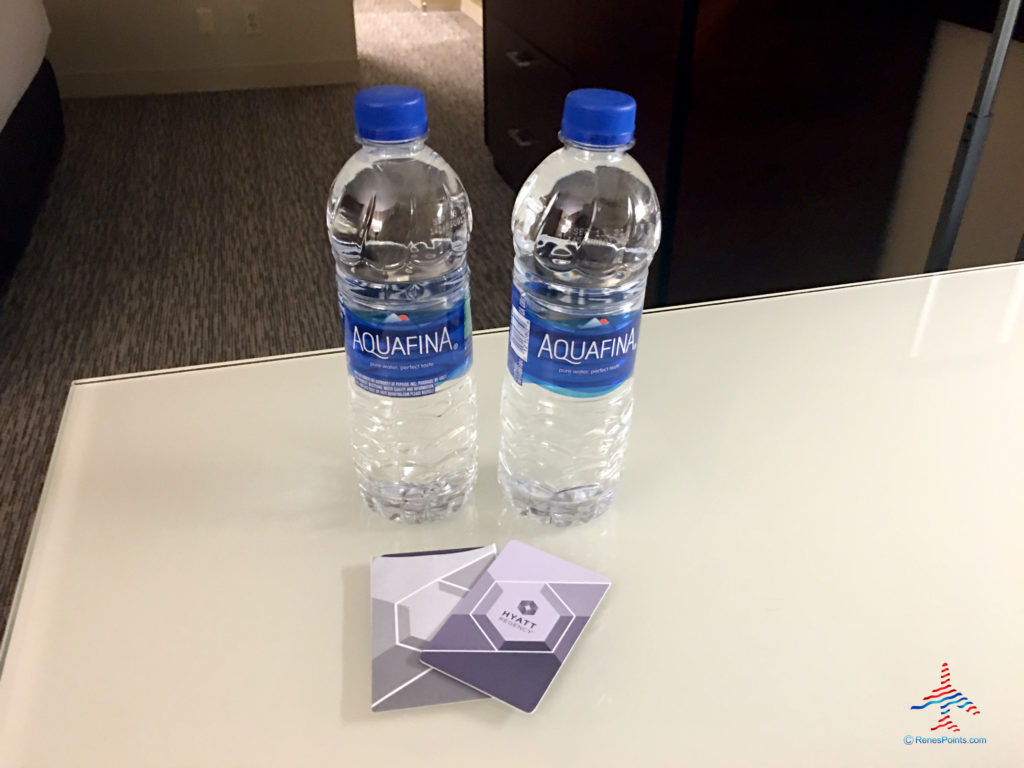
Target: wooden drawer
(523, 90)
(557, 27)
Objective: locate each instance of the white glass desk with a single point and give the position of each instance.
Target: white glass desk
(823, 502)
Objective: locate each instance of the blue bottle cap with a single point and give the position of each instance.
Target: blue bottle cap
(390, 113)
(598, 117)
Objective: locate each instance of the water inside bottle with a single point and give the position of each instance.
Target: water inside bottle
(399, 222)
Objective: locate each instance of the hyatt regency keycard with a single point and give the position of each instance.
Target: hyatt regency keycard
(512, 632)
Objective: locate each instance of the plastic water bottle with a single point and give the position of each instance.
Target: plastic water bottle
(399, 222)
(585, 227)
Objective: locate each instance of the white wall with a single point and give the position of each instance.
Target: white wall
(23, 34)
(994, 219)
(437, 5)
(103, 47)
(472, 8)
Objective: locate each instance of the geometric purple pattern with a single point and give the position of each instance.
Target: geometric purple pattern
(511, 633)
(412, 595)
(539, 628)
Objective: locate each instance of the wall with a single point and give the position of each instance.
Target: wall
(105, 47)
(473, 9)
(23, 34)
(994, 220)
(437, 5)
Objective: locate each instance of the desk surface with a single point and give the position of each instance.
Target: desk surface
(822, 504)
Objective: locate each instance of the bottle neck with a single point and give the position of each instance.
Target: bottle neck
(394, 148)
(594, 153)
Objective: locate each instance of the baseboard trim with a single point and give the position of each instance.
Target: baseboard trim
(90, 84)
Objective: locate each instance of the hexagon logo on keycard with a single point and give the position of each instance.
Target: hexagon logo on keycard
(522, 616)
(513, 630)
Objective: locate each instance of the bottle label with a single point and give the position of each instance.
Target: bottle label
(586, 357)
(410, 354)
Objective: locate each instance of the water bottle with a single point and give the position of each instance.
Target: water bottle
(585, 227)
(399, 222)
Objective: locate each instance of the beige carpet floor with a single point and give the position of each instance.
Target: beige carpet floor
(189, 229)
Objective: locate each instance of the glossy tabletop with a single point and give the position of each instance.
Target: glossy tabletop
(823, 503)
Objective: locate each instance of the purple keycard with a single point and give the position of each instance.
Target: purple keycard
(511, 633)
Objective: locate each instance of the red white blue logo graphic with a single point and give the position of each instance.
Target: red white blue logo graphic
(946, 698)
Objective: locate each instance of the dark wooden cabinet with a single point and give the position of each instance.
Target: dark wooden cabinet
(528, 87)
(633, 47)
(773, 130)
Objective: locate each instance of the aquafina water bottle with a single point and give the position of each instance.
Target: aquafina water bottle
(399, 223)
(585, 227)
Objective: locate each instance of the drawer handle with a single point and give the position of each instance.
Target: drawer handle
(520, 59)
(519, 136)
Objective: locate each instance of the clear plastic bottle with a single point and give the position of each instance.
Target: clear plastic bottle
(399, 223)
(585, 227)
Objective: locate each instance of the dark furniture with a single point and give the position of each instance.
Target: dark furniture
(773, 130)
(30, 146)
(535, 51)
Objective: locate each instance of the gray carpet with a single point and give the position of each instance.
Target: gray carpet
(189, 229)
